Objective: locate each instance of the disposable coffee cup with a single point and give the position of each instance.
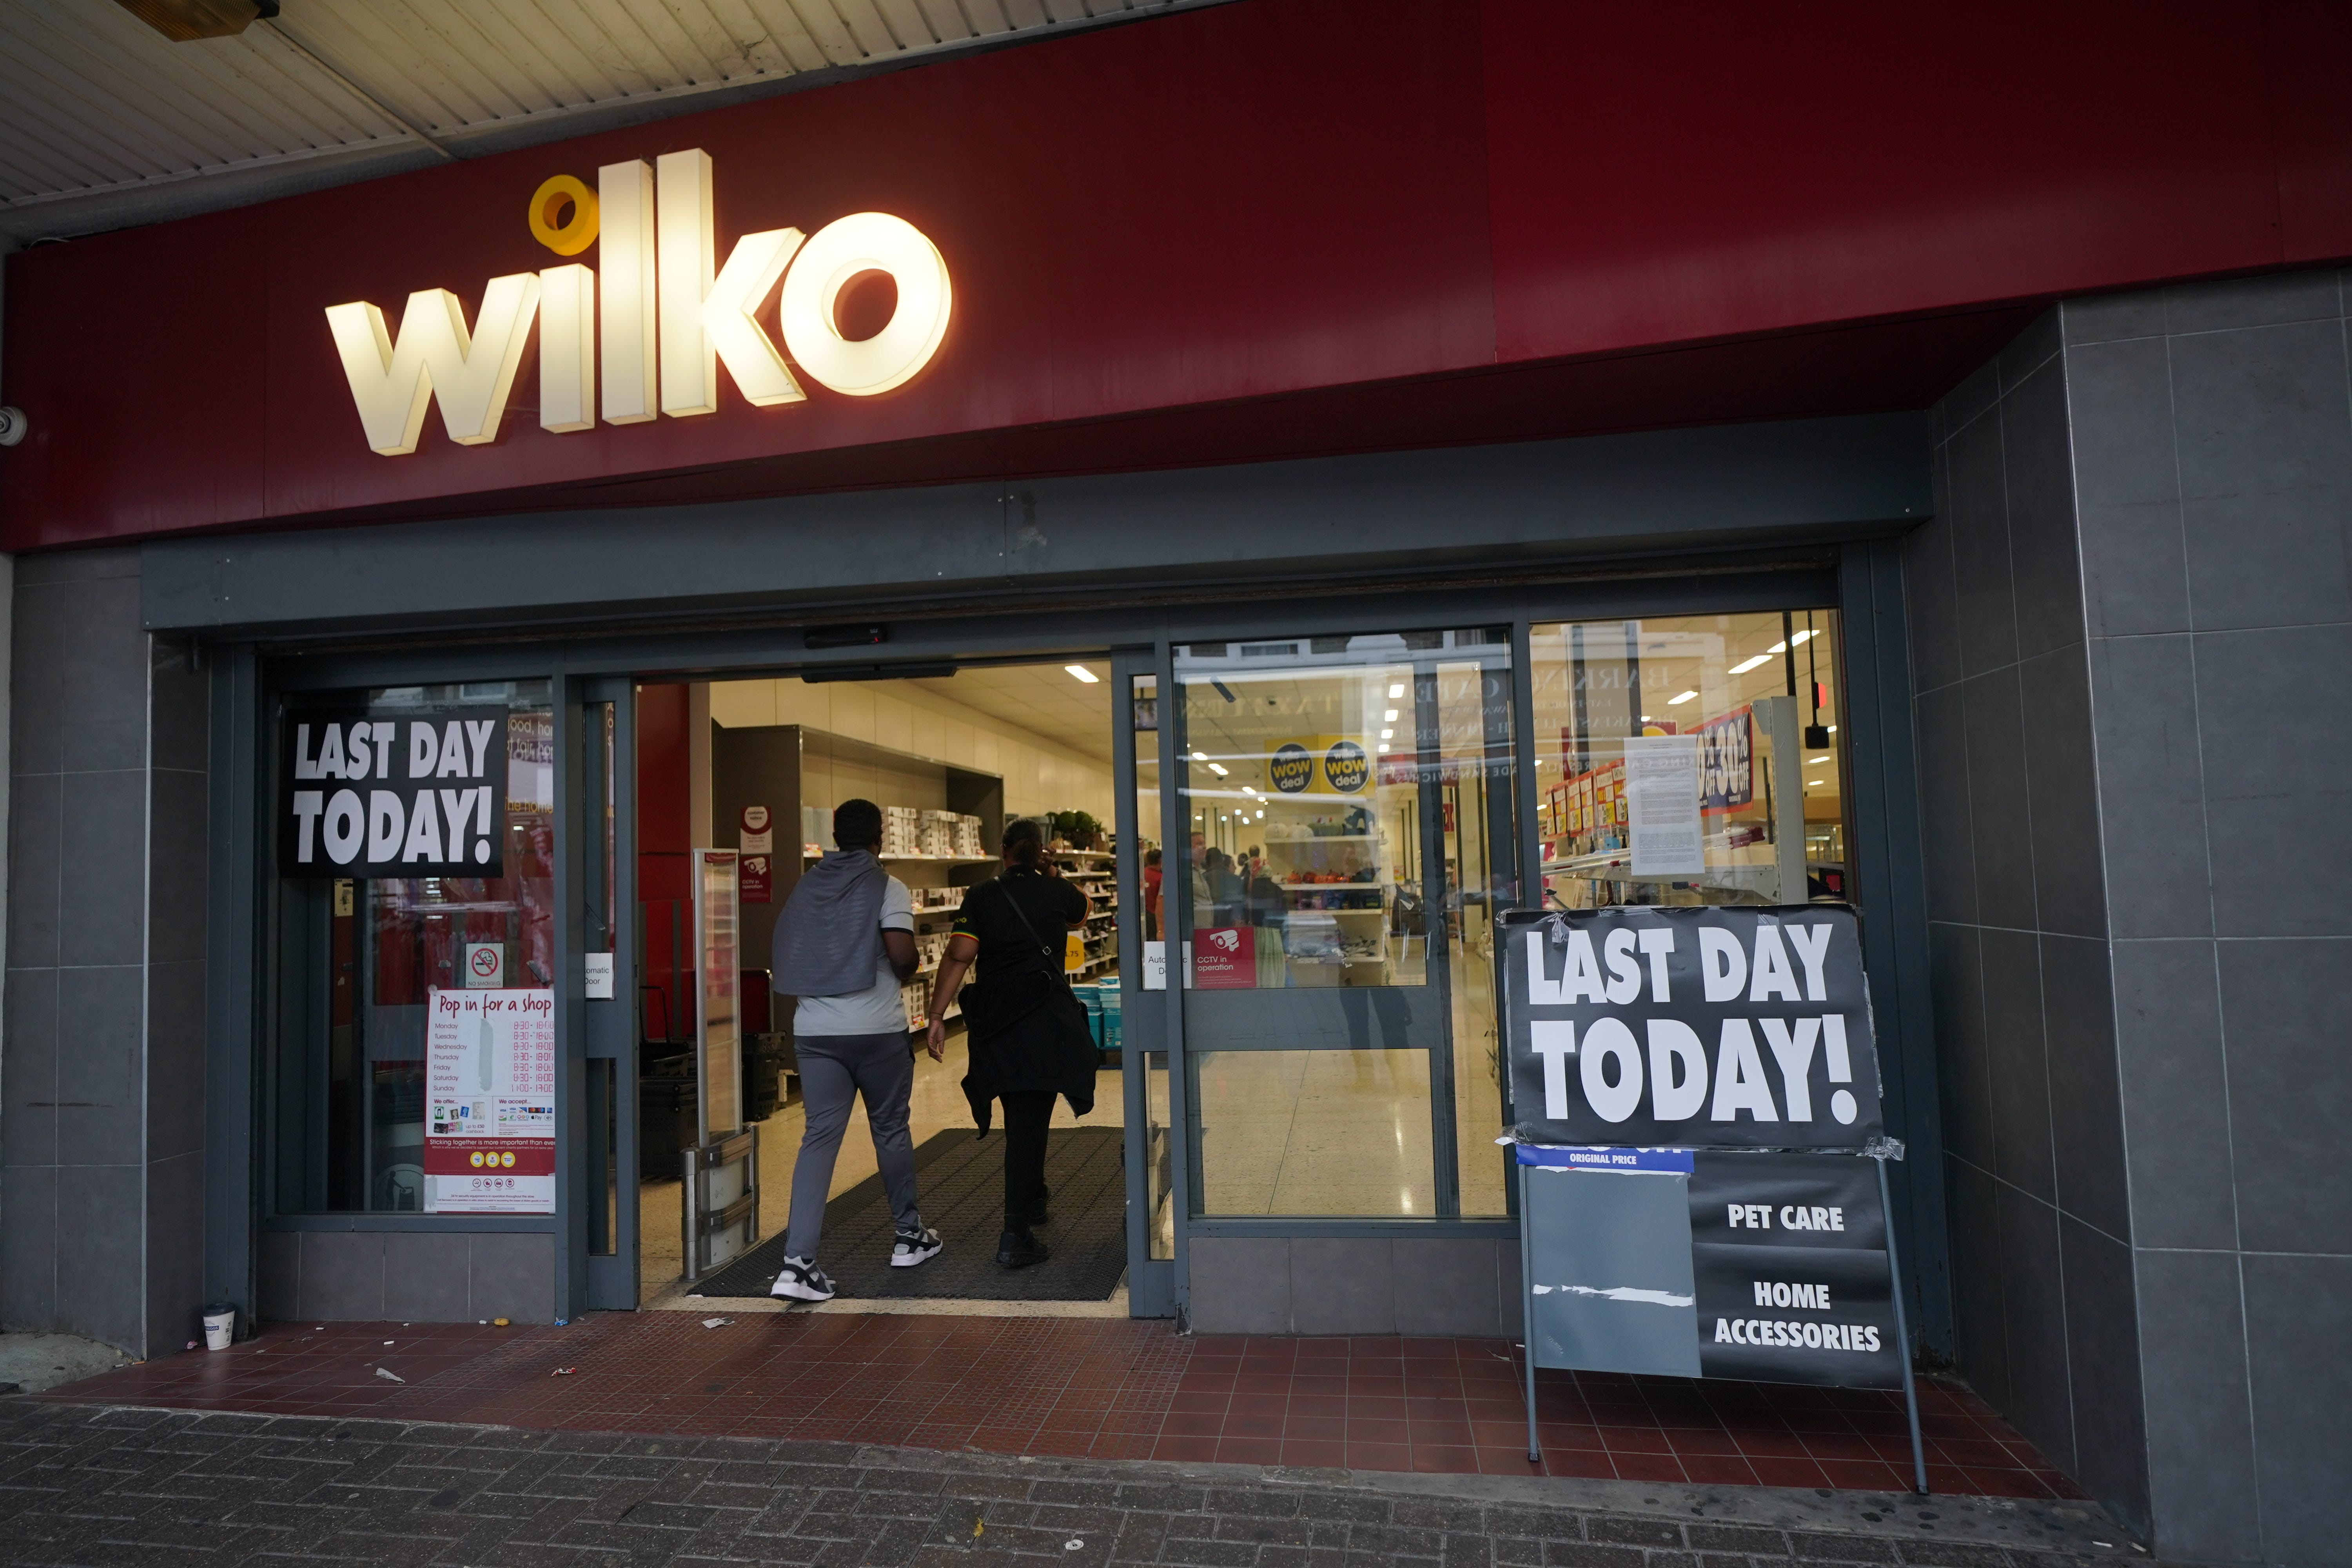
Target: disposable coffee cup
(220, 1326)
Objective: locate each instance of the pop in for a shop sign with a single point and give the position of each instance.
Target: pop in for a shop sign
(489, 1088)
(418, 791)
(1702, 1026)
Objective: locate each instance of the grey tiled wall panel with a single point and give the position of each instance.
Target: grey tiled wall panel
(2136, 954)
(102, 1028)
(1429, 1288)
(329, 1276)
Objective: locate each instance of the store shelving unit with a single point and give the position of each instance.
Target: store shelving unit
(1095, 873)
(787, 766)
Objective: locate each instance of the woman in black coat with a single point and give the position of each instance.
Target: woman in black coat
(1026, 1045)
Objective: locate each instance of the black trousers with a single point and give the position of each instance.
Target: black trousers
(1028, 1115)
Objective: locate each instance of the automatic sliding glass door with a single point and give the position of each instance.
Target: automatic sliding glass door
(1350, 811)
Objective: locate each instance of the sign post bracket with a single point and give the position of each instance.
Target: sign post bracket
(1879, 1156)
(1527, 1309)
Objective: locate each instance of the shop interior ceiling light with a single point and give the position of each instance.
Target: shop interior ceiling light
(1678, 701)
(1815, 761)
(1396, 692)
(1200, 756)
(1081, 672)
(1218, 769)
(1744, 665)
(1388, 717)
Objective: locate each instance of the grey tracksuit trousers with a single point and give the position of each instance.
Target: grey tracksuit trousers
(835, 1069)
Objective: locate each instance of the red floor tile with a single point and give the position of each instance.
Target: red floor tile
(1718, 1469)
(1647, 1467)
(1102, 1388)
(1588, 1463)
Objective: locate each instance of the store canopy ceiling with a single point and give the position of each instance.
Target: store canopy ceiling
(105, 122)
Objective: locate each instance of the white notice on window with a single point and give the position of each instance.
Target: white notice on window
(1661, 806)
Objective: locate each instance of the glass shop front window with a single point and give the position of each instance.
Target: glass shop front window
(413, 1059)
(1691, 760)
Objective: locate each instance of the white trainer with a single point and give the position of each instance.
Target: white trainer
(909, 1248)
(802, 1280)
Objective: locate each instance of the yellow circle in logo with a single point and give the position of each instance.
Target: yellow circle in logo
(476, 1158)
(578, 231)
(507, 1158)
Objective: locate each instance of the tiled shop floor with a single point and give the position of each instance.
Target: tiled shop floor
(1093, 1388)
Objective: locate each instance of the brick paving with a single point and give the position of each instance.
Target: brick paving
(1098, 1388)
(96, 1485)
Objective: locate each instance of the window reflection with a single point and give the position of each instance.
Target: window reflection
(358, 958)
(1757, 695)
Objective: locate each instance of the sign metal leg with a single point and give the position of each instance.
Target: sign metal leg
(1528, 1316)
(1902, 1337)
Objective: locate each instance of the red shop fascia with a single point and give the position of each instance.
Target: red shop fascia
(1271, 228)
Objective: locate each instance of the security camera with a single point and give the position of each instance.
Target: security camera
(11, 425)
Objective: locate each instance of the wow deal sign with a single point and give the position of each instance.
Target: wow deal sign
(1704, 1026)
(417, 792)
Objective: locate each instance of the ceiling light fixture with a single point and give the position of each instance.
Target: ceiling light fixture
(1678, 701)
(1815, 761)
(1218, 769)
(1387, 734)
(1083, 673)
(1744, 665)
(1396, 691)
(1388, 717)
(1813, 784)
(1383, 748)
(1200, 756)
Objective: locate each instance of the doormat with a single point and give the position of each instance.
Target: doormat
(960, 1185)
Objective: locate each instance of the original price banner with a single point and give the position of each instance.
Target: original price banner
(1702, 1026)
(421, 791)
(1767, 1267)
(490, 1103)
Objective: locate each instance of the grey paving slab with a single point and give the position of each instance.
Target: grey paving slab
(85, 1486)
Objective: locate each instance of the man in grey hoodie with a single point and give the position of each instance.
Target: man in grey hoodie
(844, 945)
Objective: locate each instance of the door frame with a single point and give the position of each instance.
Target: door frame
(1860, 579)
(609, 1026)
(1151, 1281)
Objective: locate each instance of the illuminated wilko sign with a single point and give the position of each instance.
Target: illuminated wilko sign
(663, 320)
(417, 792)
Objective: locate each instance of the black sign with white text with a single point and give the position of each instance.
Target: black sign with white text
(1789, 1261)
(1691, 1026)
(418, 791)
